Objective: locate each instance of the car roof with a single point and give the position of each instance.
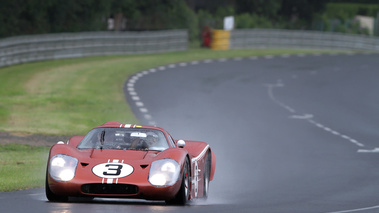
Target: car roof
(116, 124)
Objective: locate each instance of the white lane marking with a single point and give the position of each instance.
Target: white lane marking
(269, 57)
(194, 62)
(222, 59)
(357, 210)
(148, 117)
(135, 78)
(253, 58)
(375, 150)
(207, 61)
(139, 104)
(307, 117)
(183, 64)
(351, 140)
(270, 90)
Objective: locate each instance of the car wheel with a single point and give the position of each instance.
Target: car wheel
(207, 172)
(184, 192)
(53, 197)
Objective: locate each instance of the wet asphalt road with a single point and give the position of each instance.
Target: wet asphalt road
(291, 133)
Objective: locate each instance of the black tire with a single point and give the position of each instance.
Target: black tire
(207, 173)
(184, 192)
(53, 197)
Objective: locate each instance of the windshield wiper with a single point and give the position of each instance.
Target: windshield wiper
(102, 136)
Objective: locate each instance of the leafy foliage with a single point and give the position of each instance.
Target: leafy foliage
(20, 17)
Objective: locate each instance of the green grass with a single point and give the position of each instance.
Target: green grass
(22, 166)
(67, 97)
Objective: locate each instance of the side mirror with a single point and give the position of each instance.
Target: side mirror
(181, 143)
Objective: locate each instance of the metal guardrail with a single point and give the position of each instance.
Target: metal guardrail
(23, 49)
(273, 38)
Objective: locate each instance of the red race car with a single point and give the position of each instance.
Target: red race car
(129, 161)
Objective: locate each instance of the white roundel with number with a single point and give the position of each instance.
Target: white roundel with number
(112, 170)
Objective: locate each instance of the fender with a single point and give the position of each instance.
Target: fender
(174, 153)
(198, 150)
(64, 149)
(74, 141)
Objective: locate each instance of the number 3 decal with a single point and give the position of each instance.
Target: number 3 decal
(112, 170)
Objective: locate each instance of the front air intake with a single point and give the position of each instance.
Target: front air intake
(117, 189)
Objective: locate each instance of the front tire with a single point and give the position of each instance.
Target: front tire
(184, 192)
(51, 196)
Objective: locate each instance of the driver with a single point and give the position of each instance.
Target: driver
(146, 143)
(151, 139)
(138, 143)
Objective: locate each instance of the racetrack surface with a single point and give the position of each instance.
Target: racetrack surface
(291, 133)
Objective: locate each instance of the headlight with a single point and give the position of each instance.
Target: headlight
(164, 172)
(62, 167)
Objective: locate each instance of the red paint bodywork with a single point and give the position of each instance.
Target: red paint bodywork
(195, 151)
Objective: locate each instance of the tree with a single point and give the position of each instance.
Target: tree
(266, 8)
(301, 9)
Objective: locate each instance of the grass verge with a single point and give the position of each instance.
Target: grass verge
(22, 166)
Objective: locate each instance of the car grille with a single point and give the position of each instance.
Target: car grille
(98, 188)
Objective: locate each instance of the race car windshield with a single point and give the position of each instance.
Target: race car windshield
(125, 139)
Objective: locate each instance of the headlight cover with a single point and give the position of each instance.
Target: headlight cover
(62, 167)
(164, 172)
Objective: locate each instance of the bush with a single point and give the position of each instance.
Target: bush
(245, 21)
(349, 10)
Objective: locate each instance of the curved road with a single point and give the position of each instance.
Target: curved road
(292, 133)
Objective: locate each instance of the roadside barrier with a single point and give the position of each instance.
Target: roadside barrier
(23, 49)
(299, 39)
